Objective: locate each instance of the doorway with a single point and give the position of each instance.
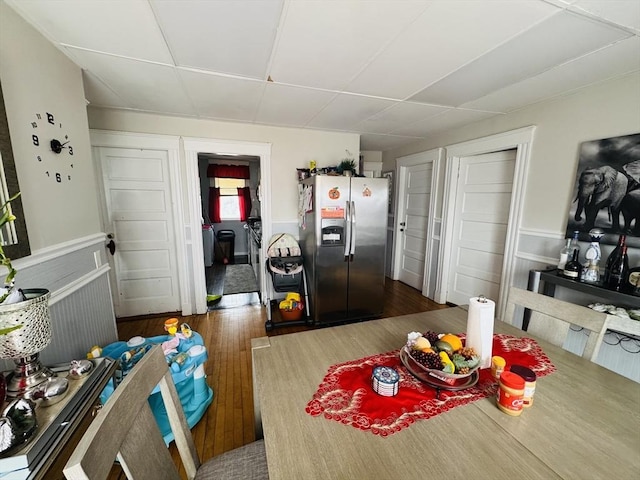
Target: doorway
(195, 148)
(416, 251)
(520, 141)
(231, 219)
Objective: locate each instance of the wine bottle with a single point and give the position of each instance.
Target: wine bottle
(573, 269)
(565, 252)
(574, 243)
(618, 271)
(622, 239)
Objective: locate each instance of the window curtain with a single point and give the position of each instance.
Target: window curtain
(214, 204)
(228, 171)
(244, 201)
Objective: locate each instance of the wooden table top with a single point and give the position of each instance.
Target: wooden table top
(584, 423)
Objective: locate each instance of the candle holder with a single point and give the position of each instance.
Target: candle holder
(24, 344)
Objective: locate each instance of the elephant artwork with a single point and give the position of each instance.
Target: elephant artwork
(630, 208)
(598, 188)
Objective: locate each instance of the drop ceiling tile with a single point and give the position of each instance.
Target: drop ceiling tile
(289, 105)
(221, 97)
(622, 12)
(324, 44)
(230, 36)
(120, 28)
(145, 86)
(374, 142)
(530, 53)
(98, 94)
(398, 115)
(616, 60)
(345, 111)
(445, 37)
(449, 119)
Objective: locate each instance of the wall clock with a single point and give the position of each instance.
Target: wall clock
(52, 145)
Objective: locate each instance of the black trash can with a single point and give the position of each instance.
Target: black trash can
(226, 243)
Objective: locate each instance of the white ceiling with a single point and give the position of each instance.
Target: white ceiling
(394, 71)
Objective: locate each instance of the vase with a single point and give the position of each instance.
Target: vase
(24, 344)
(347, 173)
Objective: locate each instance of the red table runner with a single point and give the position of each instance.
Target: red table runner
(345, 394)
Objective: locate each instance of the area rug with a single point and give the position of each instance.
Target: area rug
(239, 279)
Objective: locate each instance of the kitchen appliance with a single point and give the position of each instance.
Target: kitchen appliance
(343, 232)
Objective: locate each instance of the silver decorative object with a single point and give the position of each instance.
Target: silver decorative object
(24, 344)
(17, 425)
(79, 369)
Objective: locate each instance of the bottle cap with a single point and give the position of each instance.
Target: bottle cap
(512, 380)
(498, 361)
(526, 373)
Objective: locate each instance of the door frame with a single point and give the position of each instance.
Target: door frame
(435, 156)
(165, 143)
(193, 224)
(521, 140)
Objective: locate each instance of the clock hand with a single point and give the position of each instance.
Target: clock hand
(56, 146)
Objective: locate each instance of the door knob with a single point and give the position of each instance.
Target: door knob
(402, 229)
(111, 245)
(402, 224)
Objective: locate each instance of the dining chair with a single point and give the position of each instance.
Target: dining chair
(126, 429)
(551, 319)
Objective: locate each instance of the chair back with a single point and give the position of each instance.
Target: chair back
(126, 429)
(551, 319)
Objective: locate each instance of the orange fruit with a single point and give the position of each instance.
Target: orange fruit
(452, 340)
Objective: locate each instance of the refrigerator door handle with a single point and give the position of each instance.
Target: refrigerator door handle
(353, 230)
(347, 239)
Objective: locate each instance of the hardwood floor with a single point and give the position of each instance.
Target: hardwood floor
(227, 333)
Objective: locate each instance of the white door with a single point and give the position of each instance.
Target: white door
(416, 177)
(138, 214)
(481, 220)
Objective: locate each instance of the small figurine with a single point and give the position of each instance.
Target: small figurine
(95, 352)
(185, 329)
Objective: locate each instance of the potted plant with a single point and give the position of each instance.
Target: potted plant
(347, 166)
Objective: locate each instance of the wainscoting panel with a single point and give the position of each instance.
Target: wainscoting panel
(77, 275)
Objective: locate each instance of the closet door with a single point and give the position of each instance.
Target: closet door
(138, 215)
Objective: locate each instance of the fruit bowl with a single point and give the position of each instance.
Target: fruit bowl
(439, 356)
(413, 364)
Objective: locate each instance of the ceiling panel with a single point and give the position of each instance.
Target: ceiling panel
(619, 59)
(397, 116)
(445, 37)
(346, 110)
(222, 36)
(372, 141)
(325, 44)
(121, 28)
(98, 94)
(622, 12)
(449, 119)
(144, 86)
(289, 105)
(216, 96)
(343, 65)
(530, 53)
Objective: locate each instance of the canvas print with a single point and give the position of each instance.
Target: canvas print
(607, 190)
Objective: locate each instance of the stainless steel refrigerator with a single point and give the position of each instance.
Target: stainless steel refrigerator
(343, 237)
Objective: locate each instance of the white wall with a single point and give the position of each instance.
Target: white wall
(291, 148)
(605, 110)
(38, 78)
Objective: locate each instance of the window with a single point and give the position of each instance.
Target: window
(229, 203)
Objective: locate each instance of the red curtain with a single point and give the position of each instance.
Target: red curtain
(214, 204)
(228, 171)
(244, 200)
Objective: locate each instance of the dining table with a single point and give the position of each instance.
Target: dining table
(584, 422)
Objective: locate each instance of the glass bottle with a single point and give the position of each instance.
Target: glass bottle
(565, 253)
(574, 243)
(622, 239)
(618, 271)
(591, 270)
(573, 268)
